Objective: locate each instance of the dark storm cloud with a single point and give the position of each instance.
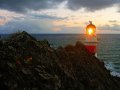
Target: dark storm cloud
(91, 5)
(22, 5)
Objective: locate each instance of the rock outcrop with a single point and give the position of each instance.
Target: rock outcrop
(28, 64)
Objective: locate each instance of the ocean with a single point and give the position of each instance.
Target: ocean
(108, 47)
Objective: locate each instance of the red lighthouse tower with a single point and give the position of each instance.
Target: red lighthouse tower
(91, 39)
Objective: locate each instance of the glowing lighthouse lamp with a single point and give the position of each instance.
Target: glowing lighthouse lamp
(91, 39)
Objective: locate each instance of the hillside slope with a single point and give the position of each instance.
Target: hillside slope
(26, 63)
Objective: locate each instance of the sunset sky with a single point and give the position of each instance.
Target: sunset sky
(59, 16)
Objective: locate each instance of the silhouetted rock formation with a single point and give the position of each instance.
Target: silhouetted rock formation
(26, 63)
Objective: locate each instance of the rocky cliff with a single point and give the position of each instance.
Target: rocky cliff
(28, 64)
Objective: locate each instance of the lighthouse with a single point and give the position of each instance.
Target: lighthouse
(91, 41)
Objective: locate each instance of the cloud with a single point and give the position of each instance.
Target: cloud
(114, 27)
(24, 5)
(44, 16)
(32, 22)
(36, 26)
(2, 17)
(29, 24)
(6, 16)
(66, 29)
(91, 5)
(14, 26)
(113, 21)
(3, 20)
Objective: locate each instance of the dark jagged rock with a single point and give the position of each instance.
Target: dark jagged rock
(1, 41)
(26, 63)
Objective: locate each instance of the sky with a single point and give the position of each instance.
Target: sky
(59, 16)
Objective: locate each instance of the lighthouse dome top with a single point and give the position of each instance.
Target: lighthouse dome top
(91, 26)
(91, 29)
